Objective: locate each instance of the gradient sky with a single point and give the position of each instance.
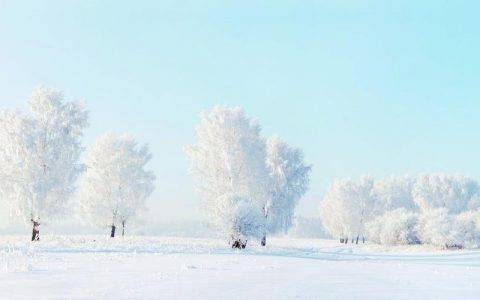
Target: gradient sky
(364, 87)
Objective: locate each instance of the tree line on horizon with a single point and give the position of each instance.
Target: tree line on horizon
(249, 185)
(436, 209)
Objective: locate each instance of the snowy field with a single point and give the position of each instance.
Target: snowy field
(78, 267)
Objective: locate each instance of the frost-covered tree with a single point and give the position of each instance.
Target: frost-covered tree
(449, 205)
(396, 227)
(395, 192)
(437, 227)
(347, 206)
(245, 219)
(289, 180)
(228, 163)
(467, 229)
(455, 193)
(440, 228)
(436, 209)
(116, 183)
(39, 156)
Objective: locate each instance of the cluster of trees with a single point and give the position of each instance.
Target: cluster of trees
(249, 185)
(40, 165)
(437, 209)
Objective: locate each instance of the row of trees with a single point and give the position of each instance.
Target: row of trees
(438, 209)
(249, 185)
(40, 165)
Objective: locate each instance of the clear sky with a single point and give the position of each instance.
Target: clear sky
(364, 87)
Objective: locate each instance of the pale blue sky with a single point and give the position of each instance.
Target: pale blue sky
(362, 86)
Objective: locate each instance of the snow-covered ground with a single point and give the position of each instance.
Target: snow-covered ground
(77, 267)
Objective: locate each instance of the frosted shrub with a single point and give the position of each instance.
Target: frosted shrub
(437, 227)
(467, 229)
(247, 221)
(397, 227)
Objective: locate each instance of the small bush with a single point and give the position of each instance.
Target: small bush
(397, 227)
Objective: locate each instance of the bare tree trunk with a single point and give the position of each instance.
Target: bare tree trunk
(35, 231)
(346, 240)
(341, 241)
(357, 240)
(363, 239)
(264, 238)
(238, 243)
(123, 228)
(112, 233)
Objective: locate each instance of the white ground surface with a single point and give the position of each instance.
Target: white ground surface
(79, 267)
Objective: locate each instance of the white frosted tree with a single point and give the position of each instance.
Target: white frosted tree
(394, 193)
(449, 205)
(346, 208)
(39, 156)
(289, 180)
(436, 209)
(116, 183)
(228, 163)
(333, 211)
(455, 193)
(467, 229)
(437, 227)
(396, 227)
